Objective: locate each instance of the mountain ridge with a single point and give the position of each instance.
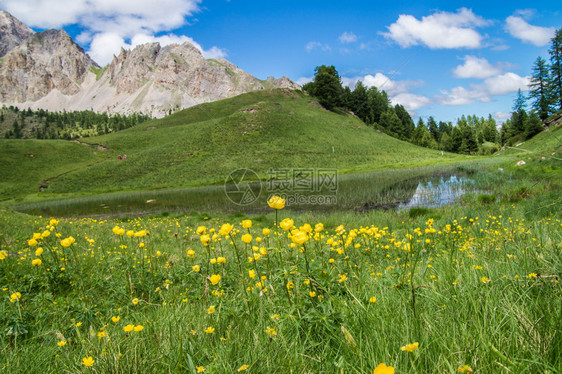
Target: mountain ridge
(48, 70)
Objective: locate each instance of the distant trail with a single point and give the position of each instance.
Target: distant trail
(101, 147)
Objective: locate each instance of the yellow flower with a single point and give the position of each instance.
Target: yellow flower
(32, 242)
(101, 334)
(138, 328)
(383, 369)
(3, 255)
(38, 251)
(209, 330)
(266, 231)
(211, 309)
(15, 297)
(140, 234)
(373, 300)
(135, 301)
(532, 275)
(251, 273)
(246, 238)
(215, 279)
(115, 319)
(118, 230)
(221, 260)
(190, 253)
(485, 280)
(287, 224)
(128, 328)
(78, 324)
(312, 294)
(225, 229)
(343, 278)
(53, 222)
(61, 343)
(36, 262)
(88, 361)
(200, 369)
(276, 202)
(300, 237)
(205, 239)
(290, 285)
(464, 369)
(318, 227)
(410, 347)
(130, 233)
(201, 230)
(196, 268)
(271, 331)
(243, 368)
(247, 223)
(67, 242)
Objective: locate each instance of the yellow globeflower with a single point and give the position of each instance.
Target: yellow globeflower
(138, 328)
(266, 231)
(300, 237)
(3, 254)
(115, 319)
(15, 297)
(410, 347)
(190, 253)
(205, 239)
(201, 230)
(373, 300)
(67, 242)
(276, 202)
(128, 328)
(215, 279)
(45, 233)
(140, 234)
(118, 230)
(36, 262)
(135, 301)
(211, 309)
(246, 238)
(251, 273)
(88, 361)
(32, 242)
(287, 224)
(383, 369)
(39, 251)
(196, 268)
(53, 222)
(247, 223)
(225, 229)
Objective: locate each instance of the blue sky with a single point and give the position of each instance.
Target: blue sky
(440, 58)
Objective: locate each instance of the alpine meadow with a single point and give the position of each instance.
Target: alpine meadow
(163, 210)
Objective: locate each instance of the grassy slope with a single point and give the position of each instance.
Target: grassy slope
(203, 144)
(260, 130)
(28, 164)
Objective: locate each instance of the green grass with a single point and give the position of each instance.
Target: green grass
(202, 145)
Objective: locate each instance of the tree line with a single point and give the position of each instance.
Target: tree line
(545, 96)
(43, 124)
(471, 134)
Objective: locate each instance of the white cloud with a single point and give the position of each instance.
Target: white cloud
(109, 25)
(411, 101)
(494, 86)
(520, 29)
(501, 117)
(304, 80)
(348, 37)
(440, 30)
(310, 46)
(475, 67)
(398, 91)
(105, 45)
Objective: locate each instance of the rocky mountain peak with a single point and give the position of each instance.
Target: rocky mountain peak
(12, 32)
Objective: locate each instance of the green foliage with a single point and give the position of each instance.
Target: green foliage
(42, 124)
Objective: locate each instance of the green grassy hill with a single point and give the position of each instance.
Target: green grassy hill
(203, 144)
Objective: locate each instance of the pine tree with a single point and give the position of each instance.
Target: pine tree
(540, 92)
(556, 69)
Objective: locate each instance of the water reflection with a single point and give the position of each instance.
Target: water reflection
(436, 193)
